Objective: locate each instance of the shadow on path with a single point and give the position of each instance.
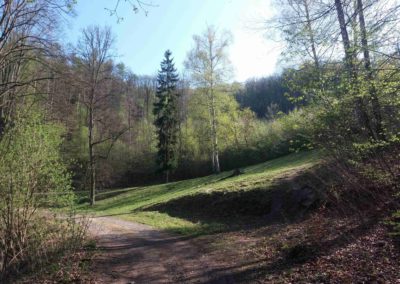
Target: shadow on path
(136, 253)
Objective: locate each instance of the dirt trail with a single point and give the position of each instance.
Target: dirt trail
(136, 253)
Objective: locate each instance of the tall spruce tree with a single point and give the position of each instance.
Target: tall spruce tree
(167, 117)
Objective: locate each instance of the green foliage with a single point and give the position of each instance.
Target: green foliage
(32, 175)
(355, 119)
(243, 138)
(30, 162)
(265, 140)
(344, 118)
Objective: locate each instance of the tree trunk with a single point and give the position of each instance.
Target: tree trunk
(363, 117)
(216, 167)
(354, 25)
(376, 108)
(345, 38)
(93, 184)
(311, 35)
(2, 123)
(92, 164)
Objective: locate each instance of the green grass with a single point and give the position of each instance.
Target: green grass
(133, 203)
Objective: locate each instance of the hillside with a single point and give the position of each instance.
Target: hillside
(253, 228)
(211, 203)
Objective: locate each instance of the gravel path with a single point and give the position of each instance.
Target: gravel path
(136, 253)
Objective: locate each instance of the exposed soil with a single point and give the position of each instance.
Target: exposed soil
(136, 253)
(316, 250)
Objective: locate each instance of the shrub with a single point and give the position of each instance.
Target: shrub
(32, 175)
(271, 139)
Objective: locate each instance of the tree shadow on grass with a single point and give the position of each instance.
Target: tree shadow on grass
(287, 199)
(143, 195)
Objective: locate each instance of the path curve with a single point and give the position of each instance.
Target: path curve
(137, 253)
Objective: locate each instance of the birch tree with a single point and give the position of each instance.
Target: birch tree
(209, 67)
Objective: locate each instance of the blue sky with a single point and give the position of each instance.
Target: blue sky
(141, 40)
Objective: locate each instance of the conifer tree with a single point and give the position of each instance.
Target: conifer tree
(166, 113)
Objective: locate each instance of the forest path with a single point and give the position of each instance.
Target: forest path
(135, 253)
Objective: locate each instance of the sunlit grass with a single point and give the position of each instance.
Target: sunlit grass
(130, 204)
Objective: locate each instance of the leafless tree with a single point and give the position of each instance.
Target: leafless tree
(135, 5)
(306, 28)
(26, 38)
(93, 58)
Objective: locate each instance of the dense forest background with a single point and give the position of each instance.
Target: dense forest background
(250, 118)
(246, 124)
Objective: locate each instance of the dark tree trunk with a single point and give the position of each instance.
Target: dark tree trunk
(92, 163)
(2, 124)
(376, 108)
(363, 117)
(345, 38)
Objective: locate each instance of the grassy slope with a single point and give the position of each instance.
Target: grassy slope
(133, 203)
(318, 249)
